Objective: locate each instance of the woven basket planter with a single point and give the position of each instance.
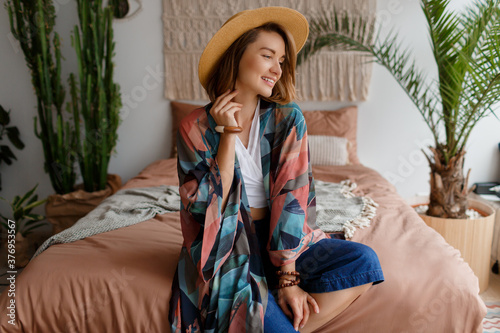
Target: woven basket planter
(62, 211)
(472, 237)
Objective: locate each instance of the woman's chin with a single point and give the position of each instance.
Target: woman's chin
(266, 93)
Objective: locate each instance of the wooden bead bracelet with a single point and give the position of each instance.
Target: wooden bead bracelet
(289, 284)
(281, 273)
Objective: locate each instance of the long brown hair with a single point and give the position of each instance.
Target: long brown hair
(225, 73)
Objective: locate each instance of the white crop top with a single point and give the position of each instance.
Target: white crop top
(250, 164)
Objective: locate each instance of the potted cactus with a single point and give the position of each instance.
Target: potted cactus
(97, 99)
(95, 105)
(32, 24)
(90, 136)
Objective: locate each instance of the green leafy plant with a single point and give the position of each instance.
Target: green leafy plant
(25, 221)
(97, 100)
(466, 48)
(6, 154)
(32, 23)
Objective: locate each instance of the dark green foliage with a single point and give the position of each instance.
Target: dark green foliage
(25, 221)
(6, 154)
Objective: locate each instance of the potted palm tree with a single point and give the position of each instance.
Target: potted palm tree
(466, 48)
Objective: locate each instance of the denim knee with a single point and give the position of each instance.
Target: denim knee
(333, 264)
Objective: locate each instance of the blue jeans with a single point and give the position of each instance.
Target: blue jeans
(328, 265)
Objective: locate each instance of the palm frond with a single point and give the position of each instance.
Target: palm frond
(338, 33)
(466, 48)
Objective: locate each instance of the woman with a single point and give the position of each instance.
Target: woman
(248, 204)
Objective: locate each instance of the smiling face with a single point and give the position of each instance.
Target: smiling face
(260, 66)
(252, 63)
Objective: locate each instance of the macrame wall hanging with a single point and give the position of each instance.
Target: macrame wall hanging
(327, 76)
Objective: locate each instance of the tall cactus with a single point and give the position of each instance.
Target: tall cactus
(97, 100)
(31, 23)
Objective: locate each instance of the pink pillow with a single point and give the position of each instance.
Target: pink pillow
(341, 123)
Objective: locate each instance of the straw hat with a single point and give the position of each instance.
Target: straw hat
(246, 20)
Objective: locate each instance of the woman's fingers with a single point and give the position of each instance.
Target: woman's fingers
(228, 106)
(223, 109)
(225, 98)
(305, 308)
(298, 313)
(313, 303)
(226, 116)
(284, 306)
(218, 99)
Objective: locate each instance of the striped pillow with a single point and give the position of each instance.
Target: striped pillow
(328, 150)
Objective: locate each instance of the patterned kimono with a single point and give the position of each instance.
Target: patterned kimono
(220, 285)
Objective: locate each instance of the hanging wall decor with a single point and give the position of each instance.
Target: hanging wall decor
(329, 75)
(125, 10)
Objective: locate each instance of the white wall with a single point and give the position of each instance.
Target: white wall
(390, 129)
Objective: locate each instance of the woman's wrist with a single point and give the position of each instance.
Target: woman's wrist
(228, 129)
(287, 278)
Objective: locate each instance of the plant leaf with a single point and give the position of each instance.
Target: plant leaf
(4, 117)
(13, 135)
(25, 197)
(6, 154)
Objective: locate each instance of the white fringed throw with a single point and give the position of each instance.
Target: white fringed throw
(327, 76)
(338, 209)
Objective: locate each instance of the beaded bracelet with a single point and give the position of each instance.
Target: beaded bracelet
(281, 273)
(289, 284)
(286, 279)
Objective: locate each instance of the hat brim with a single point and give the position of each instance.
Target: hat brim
(244, 21)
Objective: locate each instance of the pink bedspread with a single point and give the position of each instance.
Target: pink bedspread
(119, 281)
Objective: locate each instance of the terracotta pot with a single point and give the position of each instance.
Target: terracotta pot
(472, 237)
(23, 254)
(62, 211)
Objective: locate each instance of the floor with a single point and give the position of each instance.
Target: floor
(493, 292)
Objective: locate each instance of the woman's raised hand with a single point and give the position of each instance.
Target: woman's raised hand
(223, 109)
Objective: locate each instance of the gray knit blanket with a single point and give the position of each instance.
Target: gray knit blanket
(337, 209)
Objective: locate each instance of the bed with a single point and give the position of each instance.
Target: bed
(119, 281)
